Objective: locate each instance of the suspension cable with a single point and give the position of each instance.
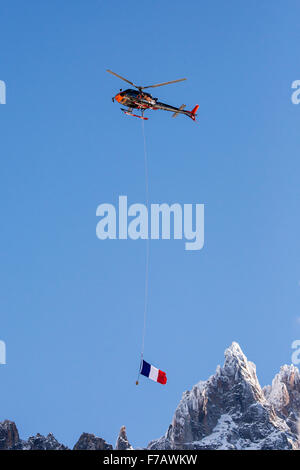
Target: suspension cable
(147, 251)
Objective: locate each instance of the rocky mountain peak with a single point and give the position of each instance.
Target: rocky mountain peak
(91, 442)
(39, 442)
(284, 395)
(229, 411)
(237, 366)
(240, 374)
(9, 435)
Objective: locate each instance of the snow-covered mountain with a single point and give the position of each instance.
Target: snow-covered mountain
(230, 410)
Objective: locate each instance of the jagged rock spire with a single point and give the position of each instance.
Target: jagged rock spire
(229, 411)
(122, 441)
(284, 395)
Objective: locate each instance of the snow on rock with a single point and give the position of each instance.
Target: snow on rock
(284, 395)
(231, 411)
(10, 440)
(9, 435)
(91, 442)
(40, 442)
(122, 441)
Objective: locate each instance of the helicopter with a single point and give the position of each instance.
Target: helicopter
(139, 99)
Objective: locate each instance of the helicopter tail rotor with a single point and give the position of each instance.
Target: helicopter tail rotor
(193, 112)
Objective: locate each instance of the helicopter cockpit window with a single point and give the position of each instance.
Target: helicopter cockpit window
(131, 92)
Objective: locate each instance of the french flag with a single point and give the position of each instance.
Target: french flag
(153, 373)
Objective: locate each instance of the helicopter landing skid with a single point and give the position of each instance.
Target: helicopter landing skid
(129, 113)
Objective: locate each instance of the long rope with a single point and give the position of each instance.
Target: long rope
(147, 251)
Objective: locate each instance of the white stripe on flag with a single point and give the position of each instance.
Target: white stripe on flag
(153, 373)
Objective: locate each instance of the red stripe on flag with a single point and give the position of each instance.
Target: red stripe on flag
(162, 378)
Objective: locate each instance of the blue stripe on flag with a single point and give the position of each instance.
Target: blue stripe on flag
(145, 369)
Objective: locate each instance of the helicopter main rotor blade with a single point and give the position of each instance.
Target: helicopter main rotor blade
(165, 83)
(122, 78)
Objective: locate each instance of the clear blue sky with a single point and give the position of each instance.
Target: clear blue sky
(72, 305)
